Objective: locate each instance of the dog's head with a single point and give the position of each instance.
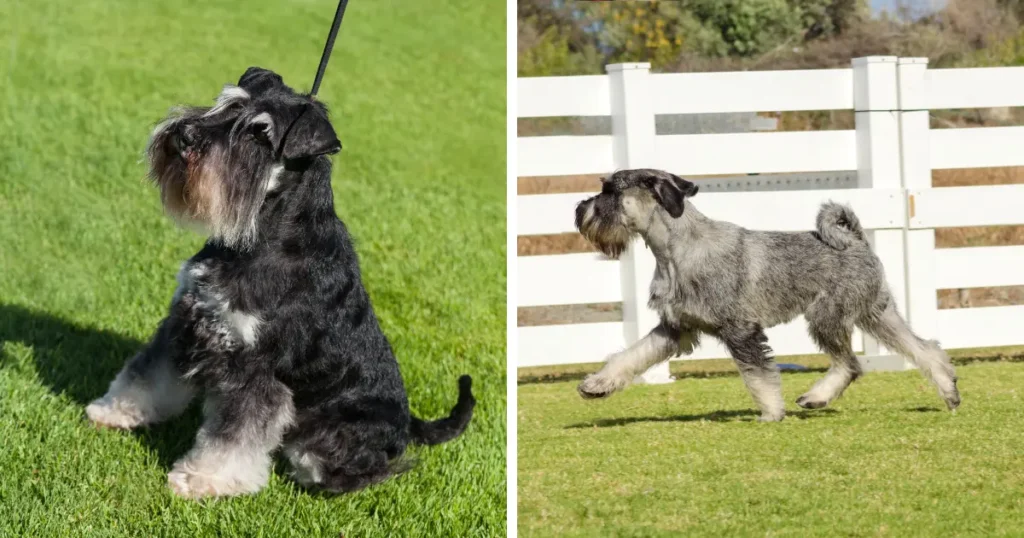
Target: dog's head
(628, 201)
(216, 165)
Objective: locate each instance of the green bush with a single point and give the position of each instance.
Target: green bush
(655, 32)
(751, 27)
(550, 54)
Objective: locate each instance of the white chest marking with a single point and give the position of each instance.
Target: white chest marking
(243, 325)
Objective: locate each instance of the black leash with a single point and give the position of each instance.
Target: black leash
(329, 46)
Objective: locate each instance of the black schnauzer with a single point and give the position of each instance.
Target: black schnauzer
(270, 320)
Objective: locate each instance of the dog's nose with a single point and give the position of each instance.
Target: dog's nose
(186, 137)
(581, 211)
(182, 139)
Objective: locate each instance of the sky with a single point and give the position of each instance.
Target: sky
(918, 7)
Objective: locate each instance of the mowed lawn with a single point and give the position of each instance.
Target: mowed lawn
(87, 258)
(688, 459)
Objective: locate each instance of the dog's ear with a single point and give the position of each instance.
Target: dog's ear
(689, 188)
(310, 135)
(671, 193)
(257, 80)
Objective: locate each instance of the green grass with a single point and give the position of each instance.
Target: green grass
(87, 260)
(687, 459)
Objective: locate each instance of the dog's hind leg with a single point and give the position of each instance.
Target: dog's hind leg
(348, 461)
(748, 346)
(619, 370)
(889, 328)
(245, 421)
(147, 390)
(832, 333)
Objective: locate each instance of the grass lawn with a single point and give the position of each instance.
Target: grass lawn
(688, 459)
(87, 260)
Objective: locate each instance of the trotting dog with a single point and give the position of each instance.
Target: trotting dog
(719, 279)
(270, 322)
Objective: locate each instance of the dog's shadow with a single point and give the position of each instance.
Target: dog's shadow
(79, 362)
(736, 415)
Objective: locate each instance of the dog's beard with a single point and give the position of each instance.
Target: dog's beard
(199, 192)
(606, 232)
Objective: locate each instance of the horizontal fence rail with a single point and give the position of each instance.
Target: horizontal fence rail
(977, 147)
(739, 153)
(564, 155)
(892, 149)
(980, 327)
(985, 87)
(568, 279)
(948, 207)
(563, 96)
(979, 267)
(752, 91)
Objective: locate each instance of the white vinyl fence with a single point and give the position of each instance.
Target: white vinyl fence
(892, 149)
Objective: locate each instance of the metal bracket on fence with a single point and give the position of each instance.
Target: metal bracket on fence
(781, 182)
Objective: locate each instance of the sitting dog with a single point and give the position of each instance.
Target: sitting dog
(720, 279)
(270, 321)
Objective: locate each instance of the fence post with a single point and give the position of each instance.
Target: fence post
(876, 104)
(633, 131)
(917, 174)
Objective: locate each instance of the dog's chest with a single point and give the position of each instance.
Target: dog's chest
(213, 309)
(678, 301)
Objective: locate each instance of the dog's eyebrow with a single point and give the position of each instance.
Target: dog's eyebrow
(228, 97)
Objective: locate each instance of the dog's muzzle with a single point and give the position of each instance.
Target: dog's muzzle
(598, 220)
(183, 140)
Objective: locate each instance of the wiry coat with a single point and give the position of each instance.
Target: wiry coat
(717, 278)
(270, 321)
(711, 272)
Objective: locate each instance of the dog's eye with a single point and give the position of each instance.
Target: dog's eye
(262, 132)
(262, 128)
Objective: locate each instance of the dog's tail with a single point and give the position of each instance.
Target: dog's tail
(839, 227)
(439, 431)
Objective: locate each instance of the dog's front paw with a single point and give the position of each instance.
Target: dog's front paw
(809, 402)
(597, 386)
(110, 413)
(186, 482)
(180, 485)
(197, 486)
(776, 416)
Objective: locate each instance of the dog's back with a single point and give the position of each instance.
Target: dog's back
(766, 276)
(352, 420)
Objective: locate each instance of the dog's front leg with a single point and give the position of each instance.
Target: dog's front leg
(748, 346)
(147, 390)
(246, 415)
(619, 370)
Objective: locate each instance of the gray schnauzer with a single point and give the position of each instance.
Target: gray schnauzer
(717, 278)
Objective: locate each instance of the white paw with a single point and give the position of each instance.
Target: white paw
(110, 414)
(599, 386)
(811, 400)
(191, 485)
(773, 416)
(178, 482)
(197, 486)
